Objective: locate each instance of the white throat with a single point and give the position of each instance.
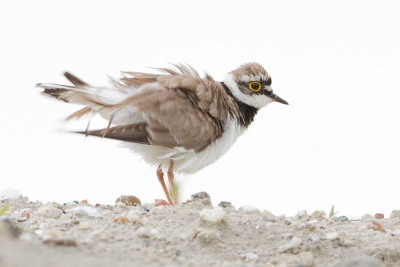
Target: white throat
(257, 101)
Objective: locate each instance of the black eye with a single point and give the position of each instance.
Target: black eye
(255, 86)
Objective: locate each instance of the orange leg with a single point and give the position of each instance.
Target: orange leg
(171, 180)
(160, 176)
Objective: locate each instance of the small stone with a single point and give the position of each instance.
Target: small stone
(269, 217)
(49, 212)
(292, 244)
(225, 204)
(376, 226)
(143, 232)
(88, 211)
(215, 215)
(200, 195)
(160, 202)
(249, 209)
(129, 200)
(319, 214)
(251, 256)
(361, 261)
(332, 236)
(306, 259)
(395, 215)
(288, 221)
(379, 215)
(154, 232)
(121, 220)
(10, 194)
(60, 242)
(84, 226)
(133, 215)
(121, 205)
(313, 239)
(25, 214)
(207, 236)
(301, 214)
(287, 235)
(340, 219)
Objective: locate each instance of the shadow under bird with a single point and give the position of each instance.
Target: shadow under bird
(175, 119)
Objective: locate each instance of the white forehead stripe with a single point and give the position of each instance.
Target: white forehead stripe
(257, 101)
(252, 78)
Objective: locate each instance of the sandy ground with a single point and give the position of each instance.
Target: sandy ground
(194, 233)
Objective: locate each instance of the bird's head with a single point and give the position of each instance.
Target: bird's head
(251, 84)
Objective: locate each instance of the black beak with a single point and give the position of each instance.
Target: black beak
(278, 99)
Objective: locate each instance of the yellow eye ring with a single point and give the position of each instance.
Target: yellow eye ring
(255, 86)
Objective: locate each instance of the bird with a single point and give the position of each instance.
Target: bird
(173, 117)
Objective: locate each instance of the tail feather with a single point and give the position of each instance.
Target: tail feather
(136, 133)
(95, 99)
(75, 80)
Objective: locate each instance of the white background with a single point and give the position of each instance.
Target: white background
(337, 63)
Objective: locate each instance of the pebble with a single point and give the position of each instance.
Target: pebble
(376, 226)
(11, 194)
(154, 232)
(313, 239)
(121, 219)
(292, 244)
(251, 256)
(306, 259)
(129, 200)
(288, 221)
(269, 217)
(225, 204)
(332, 236)
(249, 209)
(319, 214)
(395, 215)
(287, 235)
(200, 195)
(84, 226)
(361, 261)
(121, 205)
(379, 216)
(207, 236)
(340, 219)
(134, 216)
(301, 214)
(60, 242)
(49, 212)
(215, 215)
(88, 211)
(143, 232)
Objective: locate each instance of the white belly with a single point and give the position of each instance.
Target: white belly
(188, 161)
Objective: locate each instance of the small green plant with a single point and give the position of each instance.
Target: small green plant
(176, 190)
(3, 210)
(332, 212)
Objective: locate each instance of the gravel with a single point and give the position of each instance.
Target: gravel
(194, 233)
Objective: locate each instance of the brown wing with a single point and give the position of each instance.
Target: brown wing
(181, 109)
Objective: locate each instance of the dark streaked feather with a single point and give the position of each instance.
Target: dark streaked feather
(136, 133)
(74, 80)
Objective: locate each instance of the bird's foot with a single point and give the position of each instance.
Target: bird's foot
(160, 202)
